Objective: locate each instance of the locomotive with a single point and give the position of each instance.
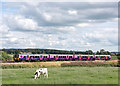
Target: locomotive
(58, 57)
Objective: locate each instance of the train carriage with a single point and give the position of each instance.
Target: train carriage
(91, 57)
(102, 57)
(62, 57)
(84, 57)
(23, 57)
(34, 57)
(77, 57)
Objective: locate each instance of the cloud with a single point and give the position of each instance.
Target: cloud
(64, 14)
(72, 12)
(83, 25)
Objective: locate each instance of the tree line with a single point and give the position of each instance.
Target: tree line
(53, 51)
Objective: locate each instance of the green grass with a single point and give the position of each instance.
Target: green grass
(63, 75)
(114, 58)
(11, 56)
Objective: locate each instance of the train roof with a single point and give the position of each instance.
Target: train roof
(64, 54)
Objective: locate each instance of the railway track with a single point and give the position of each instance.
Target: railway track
(49, 61)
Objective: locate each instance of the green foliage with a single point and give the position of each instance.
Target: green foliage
(90, 52)
(97, 53)
(5, 57)
(41, 51)
(103, 52)
(17, 51)
(114, 57)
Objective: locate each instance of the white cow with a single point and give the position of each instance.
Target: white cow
(41, 71)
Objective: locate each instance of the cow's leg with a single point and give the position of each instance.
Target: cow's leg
(46, 75)
(39, 75)
(35, 77)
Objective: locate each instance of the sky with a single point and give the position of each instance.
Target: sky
(60, 25)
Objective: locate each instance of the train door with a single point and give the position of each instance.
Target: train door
(41, 57)
(27, 58)
(79, 57)
(57, 57)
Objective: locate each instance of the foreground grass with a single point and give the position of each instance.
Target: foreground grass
(63, 75)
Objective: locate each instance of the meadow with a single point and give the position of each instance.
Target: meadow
(62, 75)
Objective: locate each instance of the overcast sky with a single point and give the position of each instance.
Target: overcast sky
(60, 25)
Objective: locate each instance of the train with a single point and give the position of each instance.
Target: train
(58, 57)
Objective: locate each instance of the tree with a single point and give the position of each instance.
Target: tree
(102, 51)
(97, 53)
(5, 57)
(17, 51)
(90, 52)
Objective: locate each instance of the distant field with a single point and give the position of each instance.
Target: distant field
(114, 58)
(63, 75)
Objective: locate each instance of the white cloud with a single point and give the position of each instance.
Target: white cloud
(25, 23)
(13, 39)
(72, 12)
(83, 25)
(47, 16)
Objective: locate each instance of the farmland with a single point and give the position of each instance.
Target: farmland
(62, 72)
(63, 75)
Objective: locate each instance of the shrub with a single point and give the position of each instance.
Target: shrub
(5, 56)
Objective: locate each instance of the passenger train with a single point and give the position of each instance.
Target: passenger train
(58, 57)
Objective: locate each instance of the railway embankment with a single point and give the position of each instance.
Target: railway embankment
(97, 63)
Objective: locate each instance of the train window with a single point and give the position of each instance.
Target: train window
(31, 56)
(70, 56)
(44, 56)
(91, 56)
(36, 56)
(97, 56)
(64, 56)
(24, 57)
(84, 56)
(54, 56)
(102, 56)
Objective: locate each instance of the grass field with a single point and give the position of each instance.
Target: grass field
(63, 75)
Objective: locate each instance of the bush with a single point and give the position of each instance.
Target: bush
(5, 56)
